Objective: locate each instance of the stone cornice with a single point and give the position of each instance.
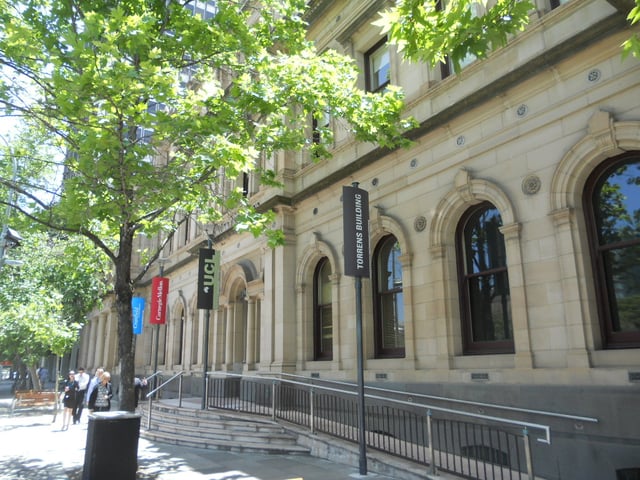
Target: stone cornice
(608, 26)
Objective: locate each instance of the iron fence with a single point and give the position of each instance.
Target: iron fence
(470, 445)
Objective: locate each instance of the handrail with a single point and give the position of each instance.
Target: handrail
(566, 416)
(153, 375)
(161, 386)
(544, 428)
(164, 383)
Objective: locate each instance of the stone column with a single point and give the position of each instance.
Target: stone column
(110, 354)
(575, 317)
(99, 359)
(279, 286)
(91, 348)
(228, 349)
(520, 313)
(251, 333)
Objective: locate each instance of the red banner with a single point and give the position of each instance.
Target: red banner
(159, 290)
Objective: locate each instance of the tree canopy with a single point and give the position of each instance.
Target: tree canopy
(434, 30)
(151, 104)
(148, 108)
(45, 300)
(632, 45)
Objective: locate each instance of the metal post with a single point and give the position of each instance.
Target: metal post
(312, 411)
(149, 413)
(432, 458)
(527, 453)
(361, 411)
(205, 347)
(157, 342)
(206, 390)
(273, 400)
(155, 358)
(205, 359)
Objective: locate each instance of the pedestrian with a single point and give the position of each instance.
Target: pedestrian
(93, 383)
(83, 383)
(100, 399)
(43, 375)
(139, 387)
(69, 394)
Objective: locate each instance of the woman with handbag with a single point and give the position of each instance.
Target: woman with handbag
(69, 393)
(100, 399)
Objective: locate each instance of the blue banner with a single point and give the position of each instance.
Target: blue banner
(137, 307)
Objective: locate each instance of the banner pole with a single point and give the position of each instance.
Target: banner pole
(157, 341)
(205, 349)
(361, 406)
(355, 203)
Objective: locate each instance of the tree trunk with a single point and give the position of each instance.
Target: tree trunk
(126, 345)
(35, 379)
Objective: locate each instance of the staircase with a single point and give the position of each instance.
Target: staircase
(235, 432)
(239, 432)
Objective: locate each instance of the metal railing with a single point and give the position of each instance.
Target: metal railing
(470, 444)
(152, 380)
(149, 395)
(153, 375)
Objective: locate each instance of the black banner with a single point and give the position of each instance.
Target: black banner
(355, 216)
(208, 279)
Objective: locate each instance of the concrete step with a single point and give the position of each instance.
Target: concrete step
(225, 445)
(215, 430)
(225, 431)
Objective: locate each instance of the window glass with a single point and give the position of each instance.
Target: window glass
(389, 299)
(323, 318)
(202, 8)
(179, 340)
(485, 297)
(321, 132)
(477, 9)
(378, 67)
(557, 3)
(614, 206)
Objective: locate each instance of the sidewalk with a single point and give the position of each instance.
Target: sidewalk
(34, 448)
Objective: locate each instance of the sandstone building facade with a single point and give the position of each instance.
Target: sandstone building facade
(505, 243)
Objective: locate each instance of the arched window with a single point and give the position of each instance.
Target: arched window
(484, 283)
(388, 301)
(612, 206)
(322, 313)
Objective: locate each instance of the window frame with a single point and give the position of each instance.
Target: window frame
(446, 67)
(470, 346)
(319, 313)
(611, 339)
(320, 130)
(370, 75)
(380, 295)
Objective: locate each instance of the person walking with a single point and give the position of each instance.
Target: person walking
(43, 375)
(139, 387)
(83, 383)
(69, 394)
(93, 383)
(100, 399)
